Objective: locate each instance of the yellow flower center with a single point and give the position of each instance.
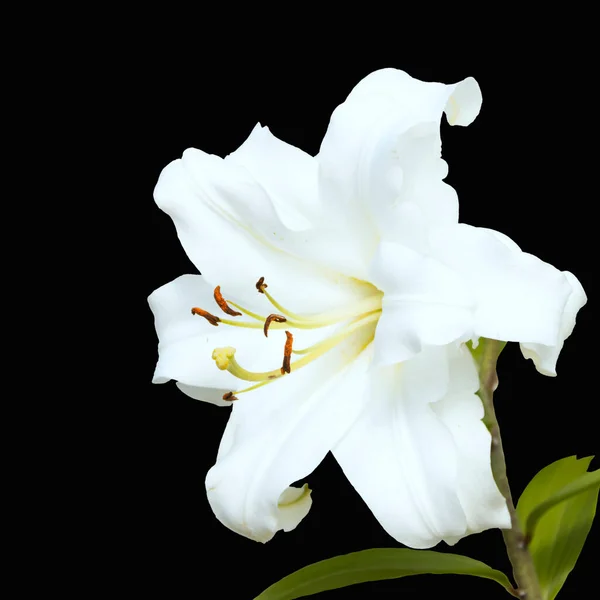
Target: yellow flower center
(361, 314)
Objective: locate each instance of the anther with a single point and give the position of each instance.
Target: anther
(229, 397)
(210, 318)
(287, 353)
(261, 285)
(270, 319)
(223, 303)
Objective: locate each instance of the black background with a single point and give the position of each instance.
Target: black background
(524, 167)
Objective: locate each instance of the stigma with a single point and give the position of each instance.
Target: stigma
(363, 313)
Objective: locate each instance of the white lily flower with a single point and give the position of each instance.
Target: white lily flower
(373, 287)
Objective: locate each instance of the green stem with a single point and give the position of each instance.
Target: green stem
(516, 546)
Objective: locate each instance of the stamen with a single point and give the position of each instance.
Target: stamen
(302, 323)
(247, 312)
(287, 353)
(210, 318)
(225, 359)
(213, 320)
(327, 318)
(353, 326)
(261, 285)
(246, 324)
(252, 387)
(270, 319)
(223, 303)
(365, 312)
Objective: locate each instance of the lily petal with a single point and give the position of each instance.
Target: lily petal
(545, 356)
(424, 303)
(228, 226)
(294, 504)
(461, 411)
(519, 298)
(380, 166)
(279, 433)
(287, 174)
(420, 455)
(300, 224)
(471, 283)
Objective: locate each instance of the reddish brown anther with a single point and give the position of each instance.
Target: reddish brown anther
(223, 303)
(270, 319)
(261, 285)
(229, 397)
(210, 318)
(287, 353)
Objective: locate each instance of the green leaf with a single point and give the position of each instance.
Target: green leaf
(558, 507)
(588, 481)
(374, 565)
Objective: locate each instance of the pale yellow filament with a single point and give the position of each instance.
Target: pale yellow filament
(359, 315)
